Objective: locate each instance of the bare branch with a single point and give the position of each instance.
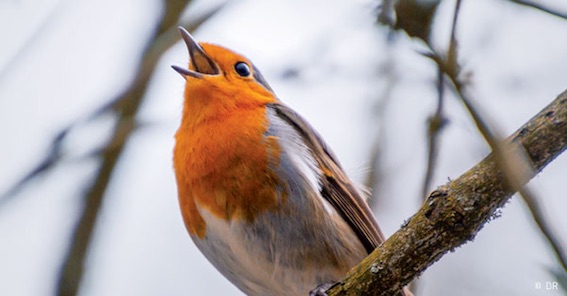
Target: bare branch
(438, 120)
(375, 175)
(545, 227)
(126, 105)
(436, 123)
(52, 157)
(515, 167)
(541, 8)
(28, 44)
(454, 213)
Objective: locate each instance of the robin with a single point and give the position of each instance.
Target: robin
(261, 194)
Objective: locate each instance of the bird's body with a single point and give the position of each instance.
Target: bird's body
(262, 196)
(248, 232)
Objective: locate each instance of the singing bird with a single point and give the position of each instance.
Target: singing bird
(261, 194)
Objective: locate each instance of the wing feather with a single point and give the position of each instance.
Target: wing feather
(336, 188)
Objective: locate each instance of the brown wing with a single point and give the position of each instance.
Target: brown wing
(336, 187)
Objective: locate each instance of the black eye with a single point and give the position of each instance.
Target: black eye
(242, 69)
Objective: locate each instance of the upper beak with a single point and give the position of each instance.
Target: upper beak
(201, 63)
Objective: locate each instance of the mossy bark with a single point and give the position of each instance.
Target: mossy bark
(454, 213)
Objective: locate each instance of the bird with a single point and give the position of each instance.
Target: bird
(262, 196)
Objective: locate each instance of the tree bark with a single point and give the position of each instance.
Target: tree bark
(454, 213)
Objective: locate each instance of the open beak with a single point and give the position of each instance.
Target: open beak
(202, 64)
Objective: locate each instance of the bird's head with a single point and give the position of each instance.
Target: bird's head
(219, 76)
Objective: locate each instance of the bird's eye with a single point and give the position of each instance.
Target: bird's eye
(242, 69)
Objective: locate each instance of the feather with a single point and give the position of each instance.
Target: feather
(335, 187)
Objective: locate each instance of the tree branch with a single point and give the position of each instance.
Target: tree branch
(454, 213)
(541, 8)
(126, 106)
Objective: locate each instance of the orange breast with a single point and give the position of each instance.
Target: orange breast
(225, 165)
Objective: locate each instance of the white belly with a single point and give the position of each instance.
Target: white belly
(260, 262)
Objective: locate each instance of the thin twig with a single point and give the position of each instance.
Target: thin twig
(29, 43)
(438, 120)
(126, 105)
(454, 213)
(53, 156)
(541, 8)
(435, 126)
(452, 51)
(510, 163)
(386, 13)
(544, 226)
(375, 177)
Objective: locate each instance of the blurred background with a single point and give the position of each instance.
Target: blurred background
(89, 105)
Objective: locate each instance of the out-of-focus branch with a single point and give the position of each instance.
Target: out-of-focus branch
(435, 126)
(50, 160)
(386, 13)
(438, 120)
(55, 154)
(126, 106)
(28, 44)
(454, 213)
(545, 227)
(376, 174)
(415, 18)
(541, 8)
(516, 167)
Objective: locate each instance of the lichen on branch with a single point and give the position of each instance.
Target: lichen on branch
(454, 213)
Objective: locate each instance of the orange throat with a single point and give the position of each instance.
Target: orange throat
(225, 165)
